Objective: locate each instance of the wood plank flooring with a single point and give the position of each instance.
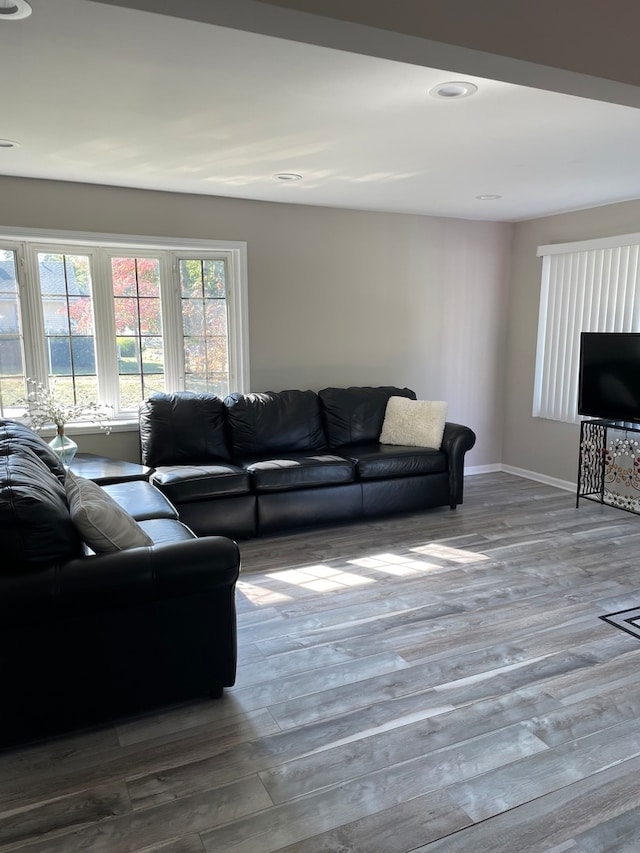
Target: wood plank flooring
(439, 681)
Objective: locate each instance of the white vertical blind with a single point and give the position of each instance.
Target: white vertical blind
(592, 289)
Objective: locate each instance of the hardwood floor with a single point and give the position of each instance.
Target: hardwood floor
(434, 682)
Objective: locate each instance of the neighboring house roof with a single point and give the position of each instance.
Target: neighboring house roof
(51, 277)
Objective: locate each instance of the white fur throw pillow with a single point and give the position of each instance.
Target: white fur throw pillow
(414, 423)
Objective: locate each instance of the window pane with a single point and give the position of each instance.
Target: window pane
(10, 355)
(128, 355)
(12, 378)
(126, 312)
(152, 356)
(67, 308)
(56, 318)
(123, 273)
(204, 323)
(213, 277)
(138, 316)
(152, 384)
(150, 316)
(81, 315)
(193, 317)
(130, 392)
(216, 317)
(59, 352)
(9, 321)
(84, 356)
(195, 356)
(191, 278)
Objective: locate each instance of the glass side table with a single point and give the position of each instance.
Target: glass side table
(105, 471)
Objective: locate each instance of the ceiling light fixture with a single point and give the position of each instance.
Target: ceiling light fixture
(488, 197)
(8, 143)
(287, 177)
(13, 10)
(453, 90)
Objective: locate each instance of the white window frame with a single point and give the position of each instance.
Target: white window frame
(26, 243)
(590, 286)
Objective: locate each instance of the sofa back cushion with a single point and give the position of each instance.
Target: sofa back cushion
(35, 524)
(182, 428)
(23, 436)
(274, 422)
(355, 415)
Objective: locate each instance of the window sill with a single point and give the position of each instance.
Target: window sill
(120, 425)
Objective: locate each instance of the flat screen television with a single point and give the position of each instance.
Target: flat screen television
(609, 379)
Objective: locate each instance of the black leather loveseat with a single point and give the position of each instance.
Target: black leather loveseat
(89, 636)
(256, 463)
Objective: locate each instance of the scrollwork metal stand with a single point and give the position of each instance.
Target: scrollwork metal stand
(609, 464)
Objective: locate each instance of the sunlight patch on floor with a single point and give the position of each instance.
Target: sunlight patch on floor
(320, 578)
(446, 552)
(261, 595)
(394, 564)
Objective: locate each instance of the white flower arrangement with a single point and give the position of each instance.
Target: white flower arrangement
(44, 408)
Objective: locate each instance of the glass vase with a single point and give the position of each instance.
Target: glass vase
(65, 447)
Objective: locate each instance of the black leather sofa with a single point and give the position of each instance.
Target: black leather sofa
(257, 463)
(88, 637)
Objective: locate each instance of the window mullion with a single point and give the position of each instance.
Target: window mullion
(104, 326)
(35, 353)
(172, 322)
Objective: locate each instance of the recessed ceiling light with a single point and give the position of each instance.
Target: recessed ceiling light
(8, 143)
(488, 197)
(287, 176)
(453, 90)
(13, 10)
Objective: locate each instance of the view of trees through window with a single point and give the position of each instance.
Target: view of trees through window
(138, 328)
(204, 323)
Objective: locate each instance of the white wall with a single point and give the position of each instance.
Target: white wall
(546, 447)
(336, 297)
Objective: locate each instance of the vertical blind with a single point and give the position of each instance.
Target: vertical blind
(590, 287)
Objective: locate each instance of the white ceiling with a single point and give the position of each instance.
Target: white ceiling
(101, 94)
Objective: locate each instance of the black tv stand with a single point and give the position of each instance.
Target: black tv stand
(609, 464)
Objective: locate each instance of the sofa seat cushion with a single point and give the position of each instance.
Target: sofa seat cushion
(375, 461)
(164, 530)
(184, 483)
(299, 471)
(141, 500)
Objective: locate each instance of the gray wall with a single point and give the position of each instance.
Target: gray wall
(535, 444)
(336, 297)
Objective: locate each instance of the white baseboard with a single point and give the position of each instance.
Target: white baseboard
(482, 469)
(567, 485)
(521, 472)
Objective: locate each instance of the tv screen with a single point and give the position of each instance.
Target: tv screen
(609, 381)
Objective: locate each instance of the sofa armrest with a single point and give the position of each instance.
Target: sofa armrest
(456, 441)
(145, 574)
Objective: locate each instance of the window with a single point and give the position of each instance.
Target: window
(11, 358)
(204, 323)
(593, 287)
(115, 320)
(137, 305)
